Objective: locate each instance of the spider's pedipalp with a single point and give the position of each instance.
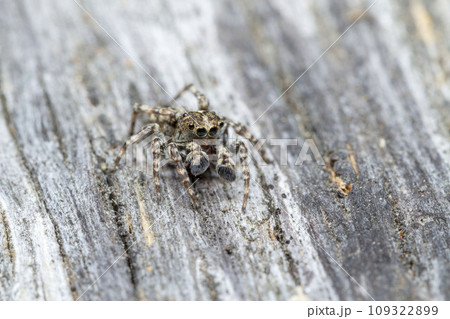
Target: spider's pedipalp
(225, 165)
(197, 160)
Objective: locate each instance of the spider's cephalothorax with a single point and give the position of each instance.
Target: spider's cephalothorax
(193, 140)
(199, 125)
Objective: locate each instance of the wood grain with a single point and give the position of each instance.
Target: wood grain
(373, 222)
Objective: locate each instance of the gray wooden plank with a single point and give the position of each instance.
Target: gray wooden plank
(376, 105)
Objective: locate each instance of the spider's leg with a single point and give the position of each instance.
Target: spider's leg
(143, 133)
(176, 157)
(243, 155)
(245, 133)
(156, 111)
(203, 102)
(182, 91)
(225, 165)
(156, 151)
(197, 159)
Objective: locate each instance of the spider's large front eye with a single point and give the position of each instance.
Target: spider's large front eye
(185, 114)
(201, 131)
(213, 131)
(221, 124)
(191, 126)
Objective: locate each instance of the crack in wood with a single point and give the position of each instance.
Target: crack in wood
(279, 233)
(124, 230)
(55, 123)
(9, 245)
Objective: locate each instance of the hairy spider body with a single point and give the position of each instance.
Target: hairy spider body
(193, 140)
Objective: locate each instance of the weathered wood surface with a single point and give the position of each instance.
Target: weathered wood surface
(376, 105)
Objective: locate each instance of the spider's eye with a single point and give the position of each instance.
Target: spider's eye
(201, 131)
(185, 114)
(191, 126)
(213, 131)
(221, 124)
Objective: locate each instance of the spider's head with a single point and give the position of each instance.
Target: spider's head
(200, 124)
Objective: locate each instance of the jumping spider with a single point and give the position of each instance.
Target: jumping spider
(180, 133)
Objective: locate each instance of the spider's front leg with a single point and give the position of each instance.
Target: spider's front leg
(243, 156)
(143, 133)
(197, 160)
(203, 102)
(176, 157)
(156, 152)
(244, 132)
(156, 111)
